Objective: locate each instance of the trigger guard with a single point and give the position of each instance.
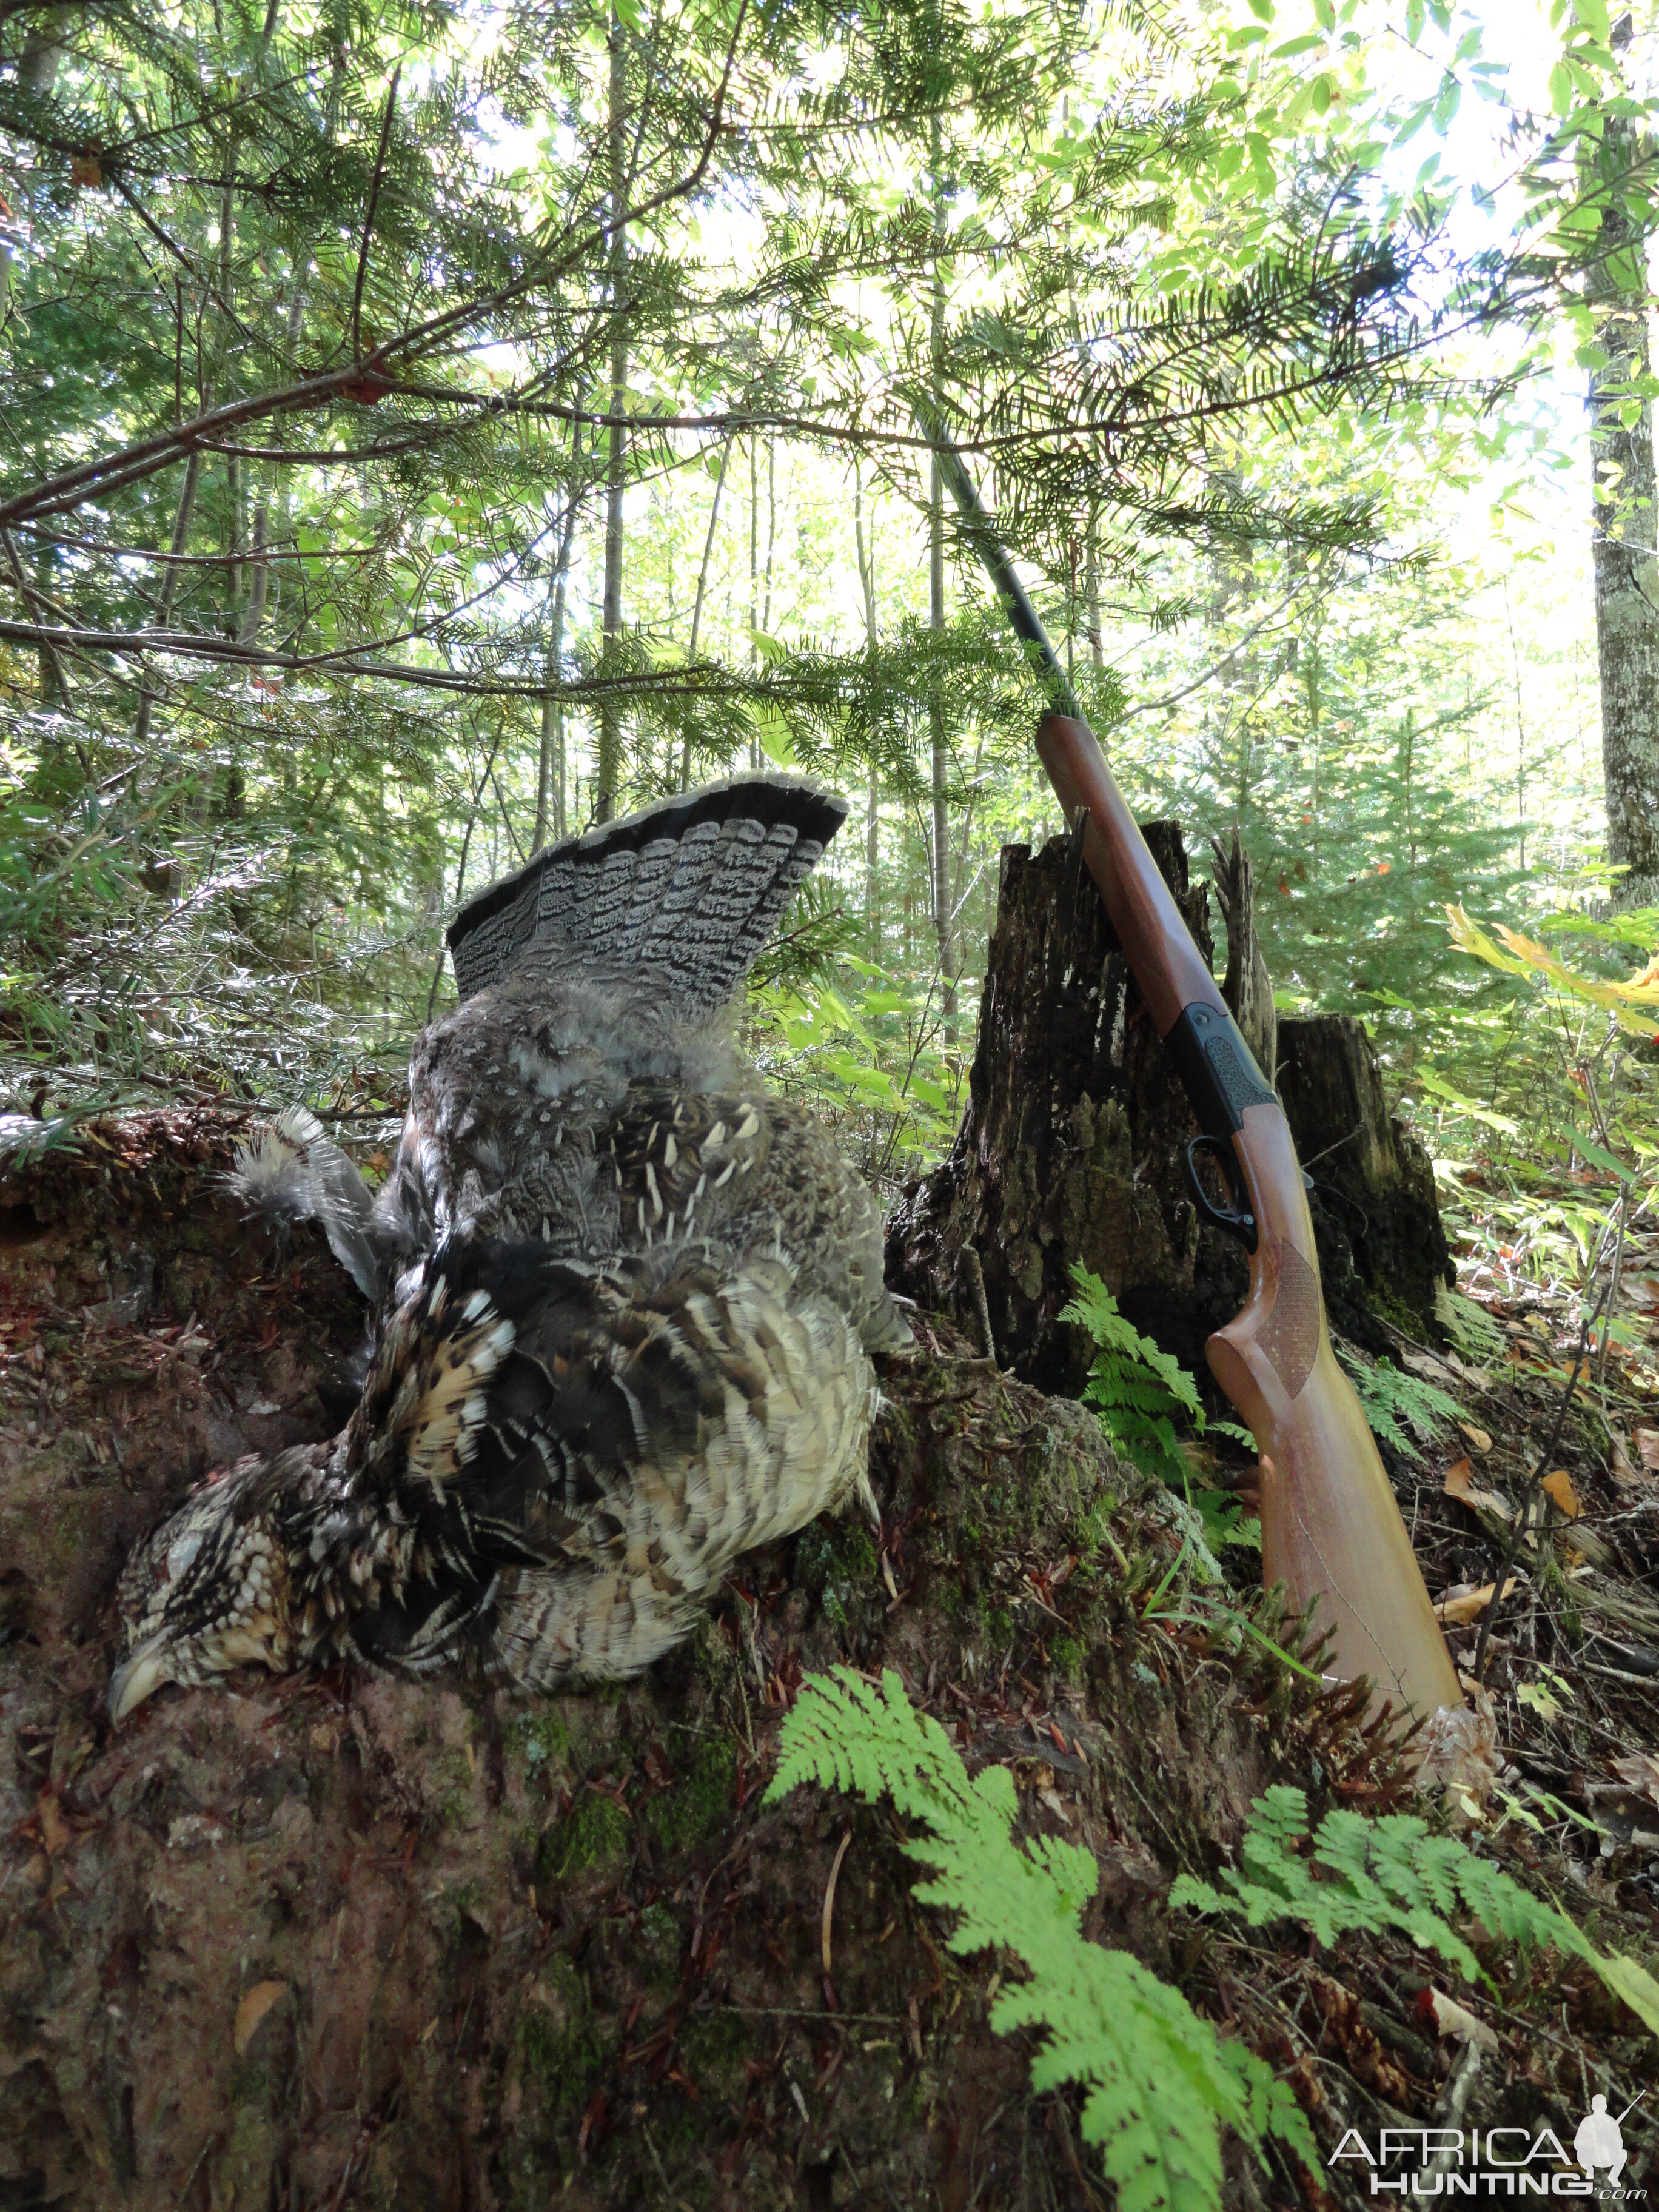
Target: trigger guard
(1235, 1221)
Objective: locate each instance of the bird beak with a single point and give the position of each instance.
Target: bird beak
(142, 1675)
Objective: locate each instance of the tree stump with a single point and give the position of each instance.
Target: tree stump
(1383, 1251)
(1072, 1146)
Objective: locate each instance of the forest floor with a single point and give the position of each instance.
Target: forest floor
(337, 1940)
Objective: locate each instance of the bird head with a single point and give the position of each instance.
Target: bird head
(208, 1590)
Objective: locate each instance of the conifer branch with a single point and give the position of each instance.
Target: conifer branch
(368, 215)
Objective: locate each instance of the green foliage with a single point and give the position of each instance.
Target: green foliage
(1394, 1876)
(1140, 1393)
(1476, 1337)
(1633, 1002)
(1396, 1403)
(1159, 2082)
(1566, 1139)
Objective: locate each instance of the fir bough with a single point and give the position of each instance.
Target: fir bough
(1394, 1876)
(1159, 2082)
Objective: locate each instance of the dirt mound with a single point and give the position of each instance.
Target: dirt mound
(344, 1940)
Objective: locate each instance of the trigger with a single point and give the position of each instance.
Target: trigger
(1233, 1220)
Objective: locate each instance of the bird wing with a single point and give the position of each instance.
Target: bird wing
(571, 1456)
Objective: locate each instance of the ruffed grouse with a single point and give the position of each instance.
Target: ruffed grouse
(624, 1297)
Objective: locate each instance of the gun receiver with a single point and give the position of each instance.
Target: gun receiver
(1331, 1530)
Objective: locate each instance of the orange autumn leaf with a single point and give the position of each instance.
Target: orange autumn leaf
(253, 2009)
(1558, 1485)
(1460, 1606)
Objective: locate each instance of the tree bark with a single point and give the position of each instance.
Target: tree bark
(608, 767)
(867, 560)
(550, 762)
(696, 605)
(1247, 987)
(170, 575)
(1623, 534)
(939, 759)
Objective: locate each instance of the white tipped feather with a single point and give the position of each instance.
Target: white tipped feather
(288, 1170)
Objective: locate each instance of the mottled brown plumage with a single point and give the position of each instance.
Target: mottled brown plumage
(626, 1297)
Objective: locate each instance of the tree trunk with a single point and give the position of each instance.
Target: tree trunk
(170, 574)
(1247, 986)
(550, 761)
(1072, 1150)
(608, 767)
(1623, 535)
(696, 605)
(939, 759)
(1382, 1250)
(867, 560)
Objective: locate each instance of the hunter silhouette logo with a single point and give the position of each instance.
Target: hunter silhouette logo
(1600, 2142)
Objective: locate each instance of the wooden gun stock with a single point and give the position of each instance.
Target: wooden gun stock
(1331, 1530)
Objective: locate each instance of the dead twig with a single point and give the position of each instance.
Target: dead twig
(368, 216)
(974, 1272)
(830, 1895)
(1523, 1504)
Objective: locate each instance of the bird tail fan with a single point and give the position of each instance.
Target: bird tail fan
(693, 885)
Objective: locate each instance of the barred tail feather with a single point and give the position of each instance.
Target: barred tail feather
(693, 885)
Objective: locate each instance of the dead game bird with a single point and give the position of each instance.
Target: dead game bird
(625, 1298)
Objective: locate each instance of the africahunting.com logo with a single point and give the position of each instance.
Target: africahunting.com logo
(1498, 2162)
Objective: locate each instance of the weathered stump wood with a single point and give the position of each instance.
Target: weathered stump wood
(1071, 1144)
(1383, 1248)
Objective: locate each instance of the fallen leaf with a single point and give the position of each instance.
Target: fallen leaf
(1457, 1484)
(1558, 1485)
(1460, 1746)
(1478, 1438)
(1451, 2018)
(54, 1828)
(253, 2009)
(1541, 1699)
(1461, 1604)
(1641, 1771)
(1647, 1449)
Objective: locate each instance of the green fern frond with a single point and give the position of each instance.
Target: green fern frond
(1474, 1332)
(1124, 1348)
(1140, 1393)
(1397, 1403)
(1159, 2082)
(1394, 1874)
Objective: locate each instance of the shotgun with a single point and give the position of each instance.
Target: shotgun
(1331, 1530)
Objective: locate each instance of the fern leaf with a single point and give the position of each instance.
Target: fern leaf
(1158, 2081)
(1373, 1875)
(1633, 1984)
